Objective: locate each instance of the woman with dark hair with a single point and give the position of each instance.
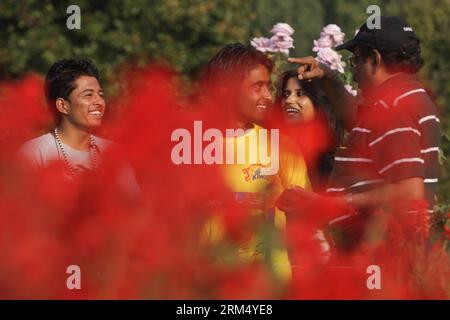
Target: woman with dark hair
(304, 108)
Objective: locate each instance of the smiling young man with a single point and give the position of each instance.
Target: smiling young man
(241, 76)
(238, 81)
(75, 98)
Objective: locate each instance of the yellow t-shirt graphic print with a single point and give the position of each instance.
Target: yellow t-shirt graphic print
(257, 184)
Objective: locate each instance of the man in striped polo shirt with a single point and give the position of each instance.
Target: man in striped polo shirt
(390, 156)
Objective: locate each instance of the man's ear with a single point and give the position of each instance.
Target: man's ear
(62, 106)
(376, 58)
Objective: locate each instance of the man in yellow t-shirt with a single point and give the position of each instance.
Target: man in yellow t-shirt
(240, 78)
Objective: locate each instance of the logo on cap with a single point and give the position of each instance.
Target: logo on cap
(408, 29)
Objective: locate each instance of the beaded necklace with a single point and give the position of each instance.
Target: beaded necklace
(92, 150)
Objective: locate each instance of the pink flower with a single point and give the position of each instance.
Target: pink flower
(281, 40)
(262, 44)
(335, 33)
(330, 37)
(331, 58)
(282, 43)
(282, 29)
(321, 43)
(350, 90)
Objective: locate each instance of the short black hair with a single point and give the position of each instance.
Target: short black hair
(409, 60)
(232, 63)
(61, 77)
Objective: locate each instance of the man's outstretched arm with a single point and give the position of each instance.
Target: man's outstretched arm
(393, 196)
(343, 103)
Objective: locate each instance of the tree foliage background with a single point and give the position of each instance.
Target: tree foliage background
(186, 33)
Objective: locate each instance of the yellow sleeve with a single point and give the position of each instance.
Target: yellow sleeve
(293, 169)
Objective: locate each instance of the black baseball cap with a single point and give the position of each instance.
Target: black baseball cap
(393, 33)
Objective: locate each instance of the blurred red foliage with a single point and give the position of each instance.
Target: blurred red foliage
(150, 249)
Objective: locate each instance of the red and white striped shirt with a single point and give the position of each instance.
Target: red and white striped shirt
(397, 136)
